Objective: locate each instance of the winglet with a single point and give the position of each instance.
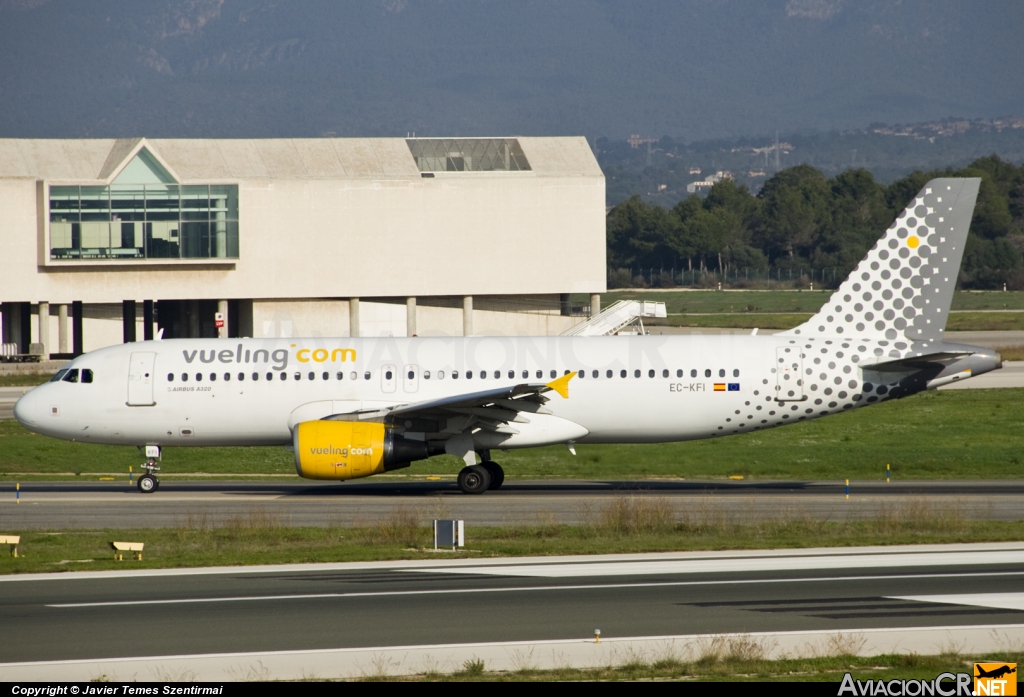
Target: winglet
(561, 385)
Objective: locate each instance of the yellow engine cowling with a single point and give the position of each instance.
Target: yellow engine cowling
(350, 450)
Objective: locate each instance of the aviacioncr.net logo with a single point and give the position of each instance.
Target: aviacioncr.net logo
(943, 685)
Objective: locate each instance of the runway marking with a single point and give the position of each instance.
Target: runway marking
(524, 589)
(1002, 601)
(865, 561)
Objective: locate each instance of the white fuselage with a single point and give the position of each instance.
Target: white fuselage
(218, 392)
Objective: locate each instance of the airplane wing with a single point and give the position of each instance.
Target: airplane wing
(491, 410)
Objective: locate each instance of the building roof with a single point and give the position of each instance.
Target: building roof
(189, 159)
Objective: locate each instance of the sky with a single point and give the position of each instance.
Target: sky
(691, 69)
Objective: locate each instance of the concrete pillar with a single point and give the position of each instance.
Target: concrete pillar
(595, 304)
(222, 308)
(353, 316)
(7, 310)
(128, 321)
(76, 328)
(467, 315)
(62, 328)
(44, 329)
(148, 319)
(410, 316)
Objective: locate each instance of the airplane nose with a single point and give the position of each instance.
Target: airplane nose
(27, 410)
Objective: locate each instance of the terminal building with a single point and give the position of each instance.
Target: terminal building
(104, 241)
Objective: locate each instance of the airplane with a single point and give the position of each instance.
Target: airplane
(355, 407)
(995, 672)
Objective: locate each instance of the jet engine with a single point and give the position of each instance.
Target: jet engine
(349, 449)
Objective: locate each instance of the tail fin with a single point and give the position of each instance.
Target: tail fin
(903, 288)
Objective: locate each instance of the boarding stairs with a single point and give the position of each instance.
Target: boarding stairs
(622, 317)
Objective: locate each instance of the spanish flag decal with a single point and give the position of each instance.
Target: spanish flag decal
(719, 387)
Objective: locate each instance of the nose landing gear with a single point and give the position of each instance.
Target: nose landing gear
(149, 482)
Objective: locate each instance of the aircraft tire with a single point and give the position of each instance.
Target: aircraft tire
(148, 484)
(496, 472)
(474, 479)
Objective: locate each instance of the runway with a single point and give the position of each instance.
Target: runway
(95, 505)
(212, 621)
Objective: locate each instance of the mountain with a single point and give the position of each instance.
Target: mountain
(697, 69)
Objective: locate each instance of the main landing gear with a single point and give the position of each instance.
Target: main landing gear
(476, 479)
(149, 482)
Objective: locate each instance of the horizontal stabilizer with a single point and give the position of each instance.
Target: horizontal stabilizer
(910, 363)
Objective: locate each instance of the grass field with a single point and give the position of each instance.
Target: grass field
(23, 380)
(960, 434)
(628, 524)
(712, 301)
(738, 659)
(958, 321)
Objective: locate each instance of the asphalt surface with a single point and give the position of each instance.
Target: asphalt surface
(295, 502)
(72, 616)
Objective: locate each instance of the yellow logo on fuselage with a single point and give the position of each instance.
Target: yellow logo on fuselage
(321, 355)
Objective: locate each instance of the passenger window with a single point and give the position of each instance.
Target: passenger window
(312, 376)
(270, 376)
(284, 376)
(608, 374)
(255, 376)
(352, 375)
(583, 374)
(469, 374)
(72, 375)
(540, 374)
(526, 375)
(184, 377)
(366, 375)
(426, 374)
(622, 373)
(440, 375)
(636, 373)
(227, 377)
(61, 373)
(388, 375)
(693, 373)
(736, 373)
(326, 375)
(87, 375)
(650, 373)
(497, 375)
(707, 372)
(411, 375)
(595, 374)
(455, 375)
(554, 373)
(298, 376)
(241, 377)
(199, 377)
(213, 377)
(483, 374)
(170, 377)
(664, 373)
(721, 372)
(679, 373)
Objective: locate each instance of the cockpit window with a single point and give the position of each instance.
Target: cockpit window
(72, 375)
(59, 376)
(86, 375)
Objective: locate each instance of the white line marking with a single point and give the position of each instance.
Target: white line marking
(694, 566)
(1002, 601)
(525, 589)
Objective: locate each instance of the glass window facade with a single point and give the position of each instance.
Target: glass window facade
(468, 154)
(144, 221)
